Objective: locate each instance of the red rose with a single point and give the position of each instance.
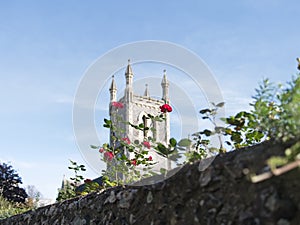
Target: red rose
(108, 156)
(165, 108)
(101, 150)
(118, 105)
(126, 139)
(146, 144)
(150, 158)
(133, 162)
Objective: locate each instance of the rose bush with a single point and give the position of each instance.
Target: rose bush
(116, 154)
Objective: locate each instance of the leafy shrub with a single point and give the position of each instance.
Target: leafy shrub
(8, 208)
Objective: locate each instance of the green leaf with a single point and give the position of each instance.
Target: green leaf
(123, 157)
(184, 142)
(161, 148)
(205, 142)
(173, 142)
(130, 149)
(175, 156)
(230, 120)
(240, 114)
(150, 116)
(228, 131)
(163, 171)
(228, 143)
(206, 132)
(221, 104)
(203, 111)
(144, 152)
(258, 136)
(73, 162)
(94, 146)
(106, 121)
(213, 149)
(236, 137)
(181, 148)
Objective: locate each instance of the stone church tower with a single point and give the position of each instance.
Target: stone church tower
(136, 108)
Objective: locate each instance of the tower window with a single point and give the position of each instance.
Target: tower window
(145, 131)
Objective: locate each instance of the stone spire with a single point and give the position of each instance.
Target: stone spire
(165, 87)
(129, 78)
(146, 93)
(113, 90)
(129, 74)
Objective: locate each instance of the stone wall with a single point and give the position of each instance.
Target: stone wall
(222, 194)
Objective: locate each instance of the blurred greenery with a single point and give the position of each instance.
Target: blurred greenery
(8, 208)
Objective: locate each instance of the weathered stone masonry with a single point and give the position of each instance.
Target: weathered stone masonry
(222, 194)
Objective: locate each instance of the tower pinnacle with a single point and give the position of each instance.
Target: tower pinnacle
(129, 74)
(146, 93)
(129, 78)
(113, 90)
(165, 87)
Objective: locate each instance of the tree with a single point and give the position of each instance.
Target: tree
(9, 184)
(33, 195)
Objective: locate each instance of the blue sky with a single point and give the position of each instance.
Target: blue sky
(46, 47)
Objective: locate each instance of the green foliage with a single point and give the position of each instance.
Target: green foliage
(200, 146)
(185, 142)
(169, 152)
(72, 189)
(277, 110)
(291, 154)
(66, 192)
(243, 130)
(90, 186)
(8, 208)
(275, 115)
(77, 179)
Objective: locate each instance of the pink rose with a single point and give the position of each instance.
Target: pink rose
(118, 105)
(108, 156)
(133, 162)
(146, 144)
(126, 139)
